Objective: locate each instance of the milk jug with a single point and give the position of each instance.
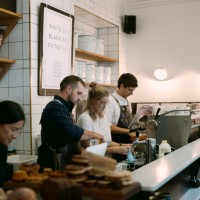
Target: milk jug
(164, 147)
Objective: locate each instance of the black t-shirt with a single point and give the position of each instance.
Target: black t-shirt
(3, 160)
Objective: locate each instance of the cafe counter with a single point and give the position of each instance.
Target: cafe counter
(170, 173)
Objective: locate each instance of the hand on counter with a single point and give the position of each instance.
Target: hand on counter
(132, 136)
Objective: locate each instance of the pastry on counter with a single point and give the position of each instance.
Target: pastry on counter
(60, 189)
(22, 193)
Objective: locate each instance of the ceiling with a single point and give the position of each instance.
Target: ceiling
(131, 4)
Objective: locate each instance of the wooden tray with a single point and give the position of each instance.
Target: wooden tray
(95, 193)
(111, 194)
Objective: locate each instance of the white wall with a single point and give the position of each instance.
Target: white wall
(167, 36)
(111, 10)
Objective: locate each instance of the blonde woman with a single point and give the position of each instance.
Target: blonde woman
(93, 119)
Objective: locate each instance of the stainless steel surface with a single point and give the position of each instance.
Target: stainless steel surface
(175, 129)
(150, 149)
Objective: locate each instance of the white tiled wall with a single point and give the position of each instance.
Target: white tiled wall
(21, 82)
(15, 85)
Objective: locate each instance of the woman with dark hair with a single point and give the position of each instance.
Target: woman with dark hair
(12, 120)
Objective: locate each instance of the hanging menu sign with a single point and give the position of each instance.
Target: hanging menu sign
(55, 48)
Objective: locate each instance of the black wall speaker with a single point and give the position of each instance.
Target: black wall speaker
(130, 24)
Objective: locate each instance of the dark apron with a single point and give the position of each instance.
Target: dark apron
(124, 121)
(54, 157)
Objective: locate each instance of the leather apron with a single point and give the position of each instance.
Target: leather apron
(124, 121)
(57, 158)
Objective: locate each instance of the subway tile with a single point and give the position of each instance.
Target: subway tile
(34, 50)
(36, 109)
(26, 49)
(17, 65)
(15, 50)
(26, 64)
(27, 142)
(3, 93)
(4, 50)
(34, 77)
(34, 144)
(34, 19)
(3, 83)
(15, 78)
(26, 97)
(16, 34)
(36, 99)
(27, 124)
(26, 77)
(113, 31)
(25, 5)
(34, 64)
(26, 31)
(19, 6)
(34, 32)
(113, 39)
(25, 18)
(35, 6)
(36, 122)
(66, 6)
(46, 100)
(27, 110)
(17, 94)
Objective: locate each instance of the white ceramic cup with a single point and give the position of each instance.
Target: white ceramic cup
(123, 165)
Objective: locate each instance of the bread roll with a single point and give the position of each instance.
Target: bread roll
(22, 193)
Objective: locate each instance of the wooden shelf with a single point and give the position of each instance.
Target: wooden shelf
(9, 19)
(79, 53)
(4, 66)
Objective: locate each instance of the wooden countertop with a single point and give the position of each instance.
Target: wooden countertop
(155, 174)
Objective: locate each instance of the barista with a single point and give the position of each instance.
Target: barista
(12, 120)
(118, 111)
(60, 136)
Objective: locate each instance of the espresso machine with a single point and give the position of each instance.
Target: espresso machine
(178, 130)
(174, 128)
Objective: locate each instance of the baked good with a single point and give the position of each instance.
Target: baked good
(22, 193)
(60, 189)
(124, 176)
(103, 184)
(19, 175)
(90, 183)
(73, 169)
(30, 168)
(80, 159)
(36, 179)
(2, 194)
(58, 173)
(76, 172)
(47, 171)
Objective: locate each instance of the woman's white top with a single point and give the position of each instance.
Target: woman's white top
(100, 125)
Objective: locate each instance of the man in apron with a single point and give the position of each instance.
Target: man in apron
(119, 112)
(60, 135)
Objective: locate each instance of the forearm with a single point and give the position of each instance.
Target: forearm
(87, 135)
(117, 130)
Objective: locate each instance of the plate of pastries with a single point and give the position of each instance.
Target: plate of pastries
(78, 175)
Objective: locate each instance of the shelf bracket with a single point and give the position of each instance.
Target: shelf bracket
(10, 23)
(4, 67)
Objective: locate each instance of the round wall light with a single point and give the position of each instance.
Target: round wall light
(160, 74)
